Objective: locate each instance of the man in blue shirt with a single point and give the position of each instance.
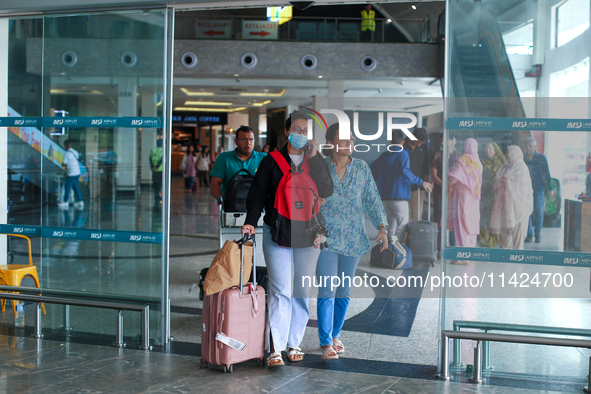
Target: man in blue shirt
(540, 179)
(227, 164)
(394, 178)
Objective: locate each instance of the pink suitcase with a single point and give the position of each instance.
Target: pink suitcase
(230, 312)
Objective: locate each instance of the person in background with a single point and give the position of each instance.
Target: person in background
(156, 155)
(355, 195)
(540, 179)
(215, 155)
(437, 174)
(287, 266)
(189, 169)
(514, 202)
(266, 149)
(203, 162)
(492, 161)
(465, 184)
(368, 23)
(227, 164)
(420, 163)
(72, 168)
(394, 179)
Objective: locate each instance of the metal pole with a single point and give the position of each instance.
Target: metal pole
(477, 377)
(444, 375)
(67, 325)
(486, 355)
(38, 314)
(119, 338)
(457, 354)
(587, 388)
(146, 328)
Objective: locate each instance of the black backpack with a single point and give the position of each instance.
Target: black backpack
(237, 191)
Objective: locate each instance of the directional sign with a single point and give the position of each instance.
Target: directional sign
(213, 29)
(259, 30)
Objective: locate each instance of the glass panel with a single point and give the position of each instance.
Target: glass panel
(572, 19)
(81, 179)
(516, 200)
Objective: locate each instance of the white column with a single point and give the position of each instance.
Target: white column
(126, 139)
(148, 136)
(253, 120)
(3, 131)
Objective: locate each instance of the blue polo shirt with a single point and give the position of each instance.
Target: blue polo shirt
(227, 164)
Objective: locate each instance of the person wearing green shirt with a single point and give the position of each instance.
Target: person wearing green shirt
(227, 164)
(156, 166)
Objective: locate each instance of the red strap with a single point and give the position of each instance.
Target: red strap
(281, 162)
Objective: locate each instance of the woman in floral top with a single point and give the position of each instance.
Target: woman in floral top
(355, 193)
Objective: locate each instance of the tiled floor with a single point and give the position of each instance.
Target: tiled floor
(391, 335)
(42, 366)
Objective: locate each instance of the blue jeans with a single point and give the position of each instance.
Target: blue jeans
(72, 183)
(537, 217)
(333, 303)
(288, 300)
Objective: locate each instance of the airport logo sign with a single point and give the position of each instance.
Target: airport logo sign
(516, 257)
(520, 124)
(571, 260)
(574, 125)
(464, 255)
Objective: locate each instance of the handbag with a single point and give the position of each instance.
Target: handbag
(224, 271)
(397, 256)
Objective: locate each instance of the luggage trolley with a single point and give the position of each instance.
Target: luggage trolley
(229, 224)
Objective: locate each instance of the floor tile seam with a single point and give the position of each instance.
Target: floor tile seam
(292, 379)
(393, 383)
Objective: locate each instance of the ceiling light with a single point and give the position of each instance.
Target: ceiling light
(198, 109)
(414, 7)
(236, 75)
(281, 93)
(201, 93)
(262, 103)
(208, 103)
(320, 76)
(389, 21)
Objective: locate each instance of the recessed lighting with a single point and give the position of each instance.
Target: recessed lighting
(389, 21)
(208, 103)
(200, 93)
(279, 94)
(320, 76)
(236, 75)
(262, 103)
(197, 109)
(414, 7)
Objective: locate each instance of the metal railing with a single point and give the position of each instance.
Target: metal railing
(480, 337)
(37, 299)
(487, 326)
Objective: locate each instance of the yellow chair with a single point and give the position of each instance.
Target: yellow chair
(13, 274)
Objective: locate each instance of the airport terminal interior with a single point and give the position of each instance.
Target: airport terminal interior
(127, 84)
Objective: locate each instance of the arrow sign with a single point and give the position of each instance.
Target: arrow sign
(213, 33)
(261, 33)
(213, 29)
(259, 30)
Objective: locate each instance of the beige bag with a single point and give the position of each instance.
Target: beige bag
(224, 271)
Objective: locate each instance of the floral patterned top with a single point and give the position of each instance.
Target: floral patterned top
(344, 211)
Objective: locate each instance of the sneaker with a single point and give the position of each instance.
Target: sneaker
(528, 238)
(79, 205)
(538, 238)
(63, 205)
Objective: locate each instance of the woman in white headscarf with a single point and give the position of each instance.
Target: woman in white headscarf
(514, 203)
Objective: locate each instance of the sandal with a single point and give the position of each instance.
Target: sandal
(294, 355)
(275, 360)
(338, 345)
(328, 353)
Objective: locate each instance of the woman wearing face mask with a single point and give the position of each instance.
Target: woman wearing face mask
(289, 252)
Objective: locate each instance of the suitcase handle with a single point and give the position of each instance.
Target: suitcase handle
(244, 239)
(419, 207)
